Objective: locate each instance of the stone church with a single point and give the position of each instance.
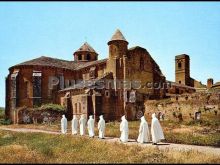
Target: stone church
(115, 86)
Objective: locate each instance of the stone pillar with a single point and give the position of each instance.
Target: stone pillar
(83, 56)
(125, 78)
(114, 70)
(7, 97)
(96, 97)
(94, 106)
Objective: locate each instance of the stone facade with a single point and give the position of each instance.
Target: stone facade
(182, 73)
(123, 64)
(182, 69)
(116, 86)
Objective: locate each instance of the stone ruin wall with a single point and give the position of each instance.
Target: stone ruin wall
(185, 104)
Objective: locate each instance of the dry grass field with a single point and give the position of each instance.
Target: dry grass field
(48, 148)
(205, 132)
(18, 147)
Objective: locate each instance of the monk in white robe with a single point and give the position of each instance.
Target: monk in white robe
(156, 130)
(63, 124)
(90, 125)
(144, 134)
(74, 125)
(82, 123)
(124, 129)
(101, 127)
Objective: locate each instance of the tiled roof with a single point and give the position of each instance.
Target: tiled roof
(87, 64)
(136, 47)
(92, 84)
(58, 63)
(179, 85)
(216, 84)
(86, 47)
(181, 56)
(118, 36)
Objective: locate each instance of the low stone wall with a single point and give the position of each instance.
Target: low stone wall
(47, 116)
(185, 107)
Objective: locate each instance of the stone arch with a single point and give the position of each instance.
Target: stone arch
(79, 56)
(179, 65)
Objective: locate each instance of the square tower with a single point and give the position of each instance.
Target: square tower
(210, 83)
(182, 69)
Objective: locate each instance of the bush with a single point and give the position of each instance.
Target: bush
(54, 107)
(5, 121)
(45, 113)
(2, 113)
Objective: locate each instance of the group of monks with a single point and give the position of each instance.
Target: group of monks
(82, 126)
(143, 137)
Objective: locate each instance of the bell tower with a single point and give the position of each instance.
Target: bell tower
(210, 83)
(182, 69)
(117, 64)
(85, 53)
(118, 47)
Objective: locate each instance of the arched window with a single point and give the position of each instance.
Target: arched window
(76, 108)
(141, 63)
(79, 57)
(107, 94)
(79, 108)
(88, 57)
(179, 65)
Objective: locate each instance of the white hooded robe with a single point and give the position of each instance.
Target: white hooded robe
(101, 127)
(156, 130)
(82, 123)
(124, 129)
(63, 124)
(74, 125)
(90, 125)
(144, 134)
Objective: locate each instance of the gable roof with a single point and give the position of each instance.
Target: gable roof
(87, 48)
(58, 63)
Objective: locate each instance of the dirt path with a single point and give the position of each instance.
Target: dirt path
(161, 146)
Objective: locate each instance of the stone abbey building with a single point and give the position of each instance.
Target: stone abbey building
(113, 86)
